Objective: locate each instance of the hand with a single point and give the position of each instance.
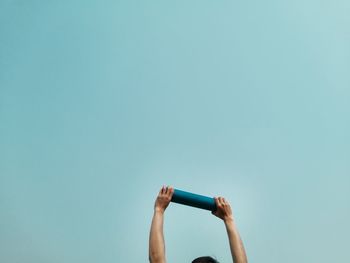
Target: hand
(223, 209)
(163, 198)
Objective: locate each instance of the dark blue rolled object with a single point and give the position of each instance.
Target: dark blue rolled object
(190, 199)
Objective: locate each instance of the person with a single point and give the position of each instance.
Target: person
(223, 211)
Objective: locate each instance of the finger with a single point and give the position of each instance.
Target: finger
(220, 200)
(227, 202)
(171, 191)
(167, 190)
(163, 190)
(224, 202)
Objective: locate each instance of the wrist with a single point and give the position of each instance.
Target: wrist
(228, 220)
(159, 210)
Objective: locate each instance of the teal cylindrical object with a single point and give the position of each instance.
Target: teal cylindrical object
(191, 199)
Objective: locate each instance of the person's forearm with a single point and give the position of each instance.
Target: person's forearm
(236, 244)
(156, 239)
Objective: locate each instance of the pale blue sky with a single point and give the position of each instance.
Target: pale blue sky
(102, 102)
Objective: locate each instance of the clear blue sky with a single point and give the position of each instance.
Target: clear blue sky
(102, 102)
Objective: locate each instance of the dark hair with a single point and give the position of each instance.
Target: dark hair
(205, 260)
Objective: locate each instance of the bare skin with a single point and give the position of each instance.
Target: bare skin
(156, 238)
(224, 212)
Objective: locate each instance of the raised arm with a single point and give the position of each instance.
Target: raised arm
(156, 237)
(224, 212)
